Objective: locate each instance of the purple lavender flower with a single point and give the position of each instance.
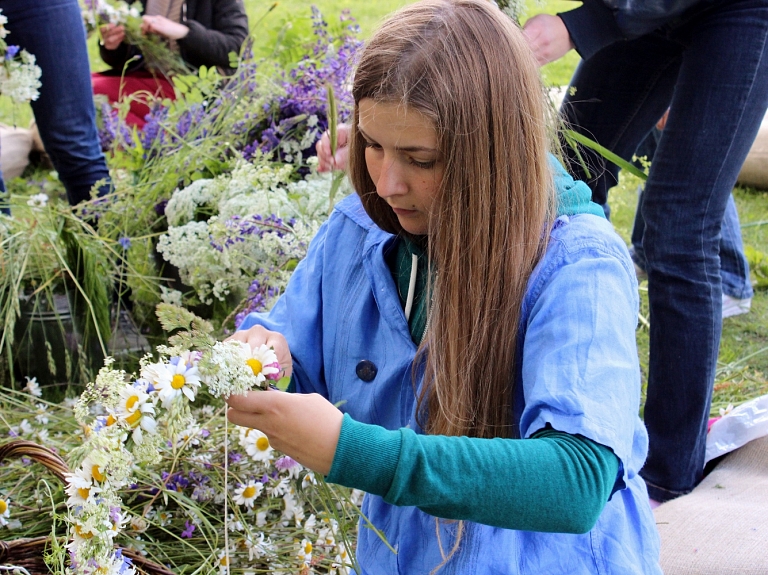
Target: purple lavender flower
(10, 52)
(189, 528)
(125, 242)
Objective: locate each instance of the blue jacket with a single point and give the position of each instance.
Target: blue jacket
(577, 371)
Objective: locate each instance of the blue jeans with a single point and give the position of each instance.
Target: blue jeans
(52, 30)
(711, 69)
(734, 268)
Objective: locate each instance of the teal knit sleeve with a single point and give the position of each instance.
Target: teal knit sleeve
(553, 482)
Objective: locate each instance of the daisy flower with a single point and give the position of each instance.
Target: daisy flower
(258, 546)
(305, 552)
(5, 511)
(136, 409)
(80, 487)
(247, 494)
(178, 377)
(262, 361)
(257, 445)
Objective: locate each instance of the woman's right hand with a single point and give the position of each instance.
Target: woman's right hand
(327, 161)
(112, 36)
(258, 335)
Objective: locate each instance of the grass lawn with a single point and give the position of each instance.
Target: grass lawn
(743, 371)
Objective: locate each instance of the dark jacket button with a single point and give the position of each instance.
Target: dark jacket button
(366, 370)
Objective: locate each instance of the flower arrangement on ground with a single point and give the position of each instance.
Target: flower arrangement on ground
(156, 469)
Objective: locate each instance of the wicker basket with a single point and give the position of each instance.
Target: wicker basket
(28, 553)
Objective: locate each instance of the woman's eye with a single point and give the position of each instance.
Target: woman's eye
(372, 145)
(424, 165)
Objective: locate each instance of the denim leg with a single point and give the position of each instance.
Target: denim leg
(5, 207)
(734, 268)
(719, 101)
(53, 31)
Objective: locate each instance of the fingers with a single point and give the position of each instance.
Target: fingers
(327, 161)
(257, 336)
(305, 427)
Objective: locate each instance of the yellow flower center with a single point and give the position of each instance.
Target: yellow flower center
(134, 418)
(110, 420)
(3, 506)
(131, 401)
(255, 365)
(262, 444)
(81, 533)
(97, 474)
(224, 561)
(178, 381)
(83, 492)
(249, 491)
(308, 548)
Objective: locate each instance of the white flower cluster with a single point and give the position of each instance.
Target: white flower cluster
(98, 12)
(19, 75)
(233, 368)
(258, 187)
(226, 253)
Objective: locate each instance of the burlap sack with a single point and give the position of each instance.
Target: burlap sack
(754, 172)
(15, 146)
(721, 527)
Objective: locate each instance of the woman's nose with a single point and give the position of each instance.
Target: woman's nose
(390, 181)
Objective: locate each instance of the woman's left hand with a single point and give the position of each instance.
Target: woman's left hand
(304, 426)
(164, 27)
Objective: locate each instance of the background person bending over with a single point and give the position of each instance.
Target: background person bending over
(204, 32)
(473, 314)
(708, 62)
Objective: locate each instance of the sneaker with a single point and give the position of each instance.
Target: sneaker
(733, 306)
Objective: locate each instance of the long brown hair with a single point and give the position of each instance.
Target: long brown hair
(467, 67)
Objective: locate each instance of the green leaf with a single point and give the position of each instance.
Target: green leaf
(605, 153)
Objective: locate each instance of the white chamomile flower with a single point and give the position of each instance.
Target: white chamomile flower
(247, 494)
(5, 510)
(32, 387)
(279, 488)
(178, 377)
(305, 552)
(136, 409)
(262, 361)
(258, 546)
(257, 445)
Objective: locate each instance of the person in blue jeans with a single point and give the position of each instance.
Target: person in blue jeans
(461, 334)
(53, 31)
(708, 62)
(734, 267)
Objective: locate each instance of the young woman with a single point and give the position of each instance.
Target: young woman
(203, 32)
(487, 397)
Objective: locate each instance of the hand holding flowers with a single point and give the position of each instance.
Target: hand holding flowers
(305, 427)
